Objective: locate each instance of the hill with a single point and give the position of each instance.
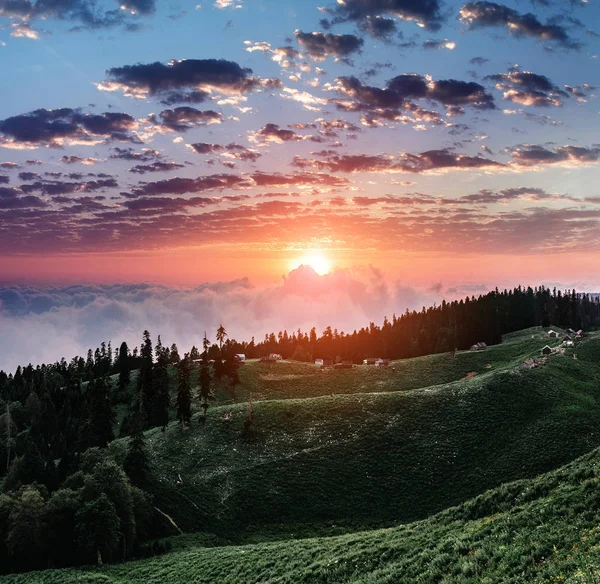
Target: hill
(371, 459)
(530, 531)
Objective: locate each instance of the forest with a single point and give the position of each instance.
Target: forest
(66, 501)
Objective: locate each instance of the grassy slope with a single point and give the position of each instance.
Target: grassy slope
(370, 459)
(542, 530)
(292, 379)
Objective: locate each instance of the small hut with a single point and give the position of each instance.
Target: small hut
(546, 350)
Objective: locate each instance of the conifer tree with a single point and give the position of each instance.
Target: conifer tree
(184, 392)
(205, 392)
(161, 390)
(100, 411)
(136, 459)
(146, 386)
(123, 365)
(221, 334)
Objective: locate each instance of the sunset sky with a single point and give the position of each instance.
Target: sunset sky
(181, 143)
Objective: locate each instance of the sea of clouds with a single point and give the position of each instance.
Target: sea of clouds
(41, 324)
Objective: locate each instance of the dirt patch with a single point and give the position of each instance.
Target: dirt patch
(469, 375)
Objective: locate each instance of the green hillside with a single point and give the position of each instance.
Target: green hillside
(370, 459)
(542, 530)
(292, 379)
(373, 475)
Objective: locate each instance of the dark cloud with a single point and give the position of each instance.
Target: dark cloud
(175, 97)
(479, 61)
(159, 205)
(431, 160)
(155, 167)
(273, 133)
(231, 150)
(146, 155)
(185, 118)
(379, 27)
(54, 128)
(29, 176)
(4, 179)
(426, 13)
(534, 155)
(144, 7)
(396, 99)
(276, 179)
(487, 196)
(9, 165)
(59, 187)
(320, 45)
(87, 14)
(439, 44)
(490, 14)
(202, 75)
(329, 128)
(72, 159)
(10, 198)
(182, 186)
(530, 89)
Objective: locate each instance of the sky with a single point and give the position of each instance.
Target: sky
(177, 146)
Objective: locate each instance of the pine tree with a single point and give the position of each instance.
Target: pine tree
(205, 392)
(100, 411)
(97, 526)
(184, 392)
(123, 365)
(221, 334)
(146, 386)
(136, 459)
(161, 390)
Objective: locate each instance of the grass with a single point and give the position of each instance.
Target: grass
(536, 531)
(348, 461)
(376, 475)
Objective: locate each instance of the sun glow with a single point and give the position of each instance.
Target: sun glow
(317, 261)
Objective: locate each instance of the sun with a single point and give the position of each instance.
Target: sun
(317, 261)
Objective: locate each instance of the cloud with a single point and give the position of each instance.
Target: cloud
(181, 186)
(396, 101)
(379, 27)
(432, 160)
(490, 14)
(184, 118)
(155, 167)
(530, 89)
(80, 317)
(535, 155)
(232, 150)
(425, 13)
(439, 44)
(73, 159)
(144, 7)
(320, 45)
(25, 31)
(146, 155)
(59, 187)
(273, 133)
(10, 198)
(87, 14)
(55, 128)
(200, 75)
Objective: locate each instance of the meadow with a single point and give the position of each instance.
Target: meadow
(432, 470)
